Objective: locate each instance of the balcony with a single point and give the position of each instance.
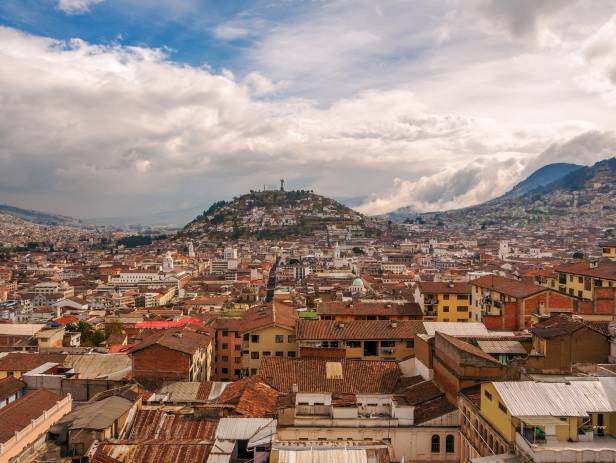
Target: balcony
(600, 448)
(313, 410)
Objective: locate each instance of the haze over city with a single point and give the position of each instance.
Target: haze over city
(118, 107)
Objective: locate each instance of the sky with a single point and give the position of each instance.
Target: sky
(122, 107)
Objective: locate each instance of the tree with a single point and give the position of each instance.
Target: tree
(358, 250)
(578, 255)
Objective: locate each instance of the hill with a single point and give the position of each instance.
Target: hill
(542, 177)
(38, 217)
(273, 214)
(585, 194)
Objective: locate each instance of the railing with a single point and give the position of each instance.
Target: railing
(4, 447)
(313, 410)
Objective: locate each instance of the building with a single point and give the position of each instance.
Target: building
(506, 304)
(267, 330)
(563, 341)
(608, 249)
(361, 339)
(360, 403)
(26, 421)
(228, 349)
(581, 279)
(571, 421)
(443, 301)
(173, 355)
(377, 310)
(11, 389)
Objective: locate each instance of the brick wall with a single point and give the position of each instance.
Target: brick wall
(160, 363)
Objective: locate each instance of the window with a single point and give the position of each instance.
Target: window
(488, 395)
(445, 308)
(410, 343)
(450, 444)
(237, 372)
(446, 297)
(225, 333)
(237, 347)
(353, 343)
(388, 343)
(279, 354)
(279, 338)
(266, 354)
(253, 371)
(238, 359)
(246, 337)
(436, 443)
(225, 346)
(502, 408)
(291, 354)
(463, 308)
(291, 338)
(254, 338)
(462, 297)
(225, 358)
(225, 371)
(254, 355)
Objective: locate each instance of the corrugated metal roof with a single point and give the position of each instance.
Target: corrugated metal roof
(233, 428)
(578, 398)
(456, 328)
(501, 347)
(99, 366)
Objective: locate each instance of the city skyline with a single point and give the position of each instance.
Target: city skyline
(116, 107)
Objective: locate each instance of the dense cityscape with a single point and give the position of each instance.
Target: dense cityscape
(290, 231)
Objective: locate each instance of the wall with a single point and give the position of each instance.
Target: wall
(267, 343)
(160, 363)
(494, 415)
(37, 428)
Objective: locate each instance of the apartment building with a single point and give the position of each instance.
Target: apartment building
(361, 339)
(444, 301)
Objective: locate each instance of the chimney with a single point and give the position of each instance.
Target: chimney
(394, 324)
(295, 388)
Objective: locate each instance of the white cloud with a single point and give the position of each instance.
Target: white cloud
(342, 100)
(77, 6)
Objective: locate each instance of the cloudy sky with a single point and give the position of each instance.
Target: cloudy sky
(119, 107)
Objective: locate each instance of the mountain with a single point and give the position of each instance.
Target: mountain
(273, 214)
(542, 177)
(584, 195)
(42, 218)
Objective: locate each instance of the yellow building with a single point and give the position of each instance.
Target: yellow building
(361, 339)
(608, 249)
(268, 330)
(444, 301)
(580, 279)
(548, 421)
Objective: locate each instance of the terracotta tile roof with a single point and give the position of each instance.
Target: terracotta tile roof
(9, 386)
(473, 394)
(233, 392)
(564, 325)
(432, 409)
(19, 414)
(444, 287)
(311, 375)
(370, 308)
(258, 400)
(186, 341)
(160, 425)
(358, 329)
(468, 348)
(421, 392)
(22, 361)
(268, 315)
(508, 286)
(605, 268)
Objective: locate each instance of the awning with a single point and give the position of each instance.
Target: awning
(542, 421)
